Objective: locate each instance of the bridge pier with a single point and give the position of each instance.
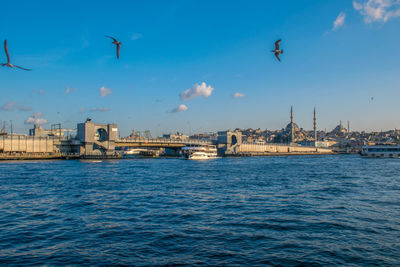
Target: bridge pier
(97, 139)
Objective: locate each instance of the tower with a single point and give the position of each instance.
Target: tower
(291, 125)
(315, 128)
(348, 126)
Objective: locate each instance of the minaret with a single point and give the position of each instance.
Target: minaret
(315, 128)
(348, 126)
(291, 124)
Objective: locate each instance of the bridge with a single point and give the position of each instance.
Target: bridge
(102, 139)
(159, 142)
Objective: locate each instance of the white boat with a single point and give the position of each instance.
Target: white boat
(381, 151)
(133, 151)
(199, 152)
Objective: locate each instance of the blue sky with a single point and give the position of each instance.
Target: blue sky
(170, 46)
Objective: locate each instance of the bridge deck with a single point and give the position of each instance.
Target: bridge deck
(164, 143)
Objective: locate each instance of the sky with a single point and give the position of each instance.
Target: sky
(201, 66)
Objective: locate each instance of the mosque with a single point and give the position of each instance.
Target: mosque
(292, 133)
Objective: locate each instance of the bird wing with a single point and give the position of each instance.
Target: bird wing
(22, 68)
(118, 47)
(277, 56)
(6, 49)
(277, 44)
(115, 40)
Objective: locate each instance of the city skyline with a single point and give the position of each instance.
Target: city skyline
(194, 66)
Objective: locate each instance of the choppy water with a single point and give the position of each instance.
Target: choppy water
(326, 210)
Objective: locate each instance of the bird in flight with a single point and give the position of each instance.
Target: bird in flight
(8, 64)
(117, 43)
(277, 51)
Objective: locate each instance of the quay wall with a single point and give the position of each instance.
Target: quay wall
(278, 148)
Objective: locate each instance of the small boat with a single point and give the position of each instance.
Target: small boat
(199, 152)
(381, 151)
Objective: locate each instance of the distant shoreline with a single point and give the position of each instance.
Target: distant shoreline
(117, 157)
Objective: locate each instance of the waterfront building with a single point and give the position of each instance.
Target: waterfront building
(55, 130)
(176, 137)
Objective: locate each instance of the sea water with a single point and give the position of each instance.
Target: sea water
(297, 210)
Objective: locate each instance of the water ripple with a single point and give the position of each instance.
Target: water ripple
(285, 211)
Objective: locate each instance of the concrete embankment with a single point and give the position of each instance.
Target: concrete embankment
(36, 156)
(271, 154)
(30, 156)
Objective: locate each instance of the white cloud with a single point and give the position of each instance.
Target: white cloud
(238, 95)
(136, 36)
(180, 108)
(69, 90)
(35, 119)
(38, 114)
(40, 91)
(103, 109)
(378, 10)
(104, 91)
(24, 108)
(197, 90)
(339, 21)
(9, 106)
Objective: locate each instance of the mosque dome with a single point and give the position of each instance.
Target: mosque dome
(288, 128)
(339, 130)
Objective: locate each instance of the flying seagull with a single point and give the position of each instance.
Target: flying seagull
(277, 51)
(117, 43)
(8, 64)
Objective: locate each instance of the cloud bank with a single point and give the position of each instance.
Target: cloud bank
(69, 90)
(103, 109)
(180, 108)
(339, 21)
(197, 90)
(104, 91)
(24, 108)
(39, 92)
(9, 106)
(36, 119)
(238, 95)
(378, 10)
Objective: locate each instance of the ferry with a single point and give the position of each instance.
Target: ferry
(381, 151)
(200, 152)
